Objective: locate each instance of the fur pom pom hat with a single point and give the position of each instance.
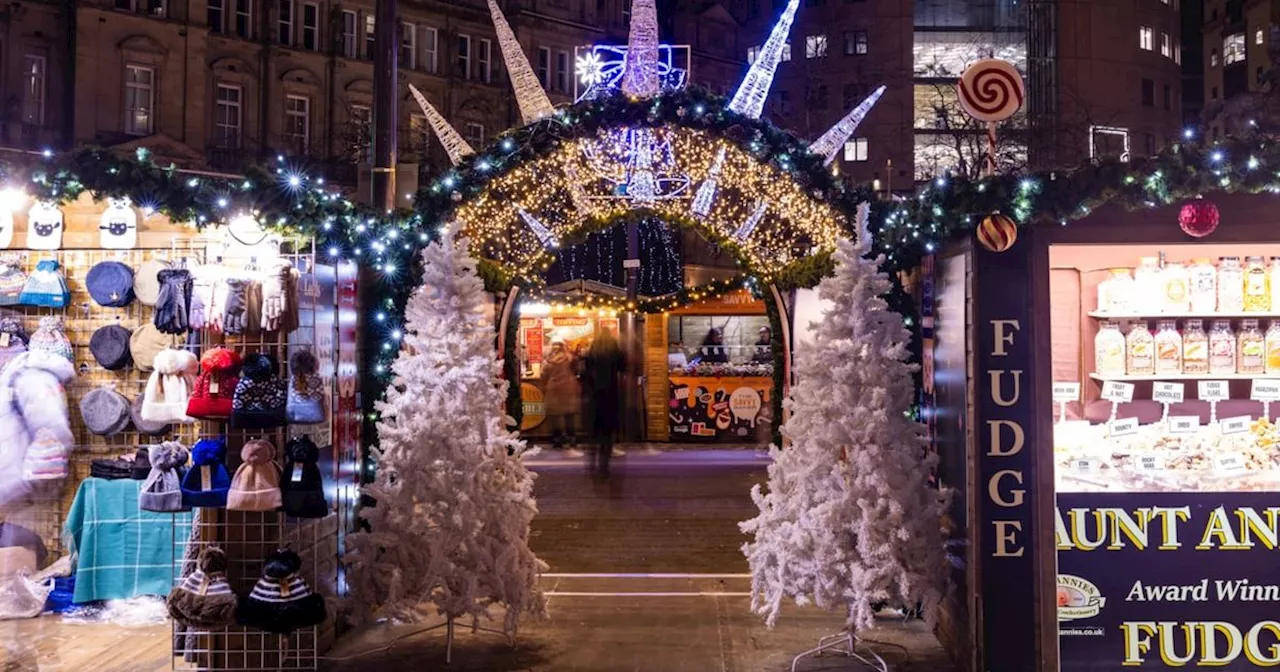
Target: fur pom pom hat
(281, 601)
(161, 491)
(259, 401)
(256, 485)
(303, 486)
(204, 598)
(216, 386)
(206, 483)
(169, 387)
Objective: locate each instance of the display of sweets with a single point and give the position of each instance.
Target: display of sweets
(1222, 348)
(1176, 281)
(1169, 348)
(1273, 347)
(1140, 351)
(1257, 290)
(1109, 350)
(1148, 287)
(1250, 349)
(1115, 294)
(1204, 285)
(1230, 285)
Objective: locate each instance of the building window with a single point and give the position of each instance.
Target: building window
(852, 95)
(752, 54)
(370, 26)
(815, 46)
(349, 22)
(151, 7)
(228, 115)
(139, 97)
(855, 149)
(1177, 52)
(429, 40)
(786, 51)
(418, 139)
(562, 71)
(311, 26)
(33, 88)
(544, 67)
(1257, 36)
(855, 43)
(1213, 57)
(1233, 49)
(408, 45)
(360, 132)
(285, 35)
(1168, 97)
(244, 19)
(1146, 38)
(297, 122)
(817, 97)
(784, 102)
(462, 66)
(1148, 93)
(1149, 141)
(484, 60)
(475, 135)
(1166, 46)
(214, 15)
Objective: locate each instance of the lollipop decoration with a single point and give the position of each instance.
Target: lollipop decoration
(991, 90)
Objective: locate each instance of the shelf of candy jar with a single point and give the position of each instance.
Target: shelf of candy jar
(1189, 352)
(1184, 376)
(1196, 287)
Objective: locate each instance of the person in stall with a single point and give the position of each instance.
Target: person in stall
(712, 350)
(563, 393)
(763, 353)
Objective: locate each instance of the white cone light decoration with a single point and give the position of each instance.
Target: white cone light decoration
(118, 228)
(44, 226)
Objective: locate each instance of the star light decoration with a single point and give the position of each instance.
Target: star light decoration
(756, 208)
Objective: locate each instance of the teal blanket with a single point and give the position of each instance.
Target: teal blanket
(123, 551)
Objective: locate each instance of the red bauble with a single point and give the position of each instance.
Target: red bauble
(1198, 218)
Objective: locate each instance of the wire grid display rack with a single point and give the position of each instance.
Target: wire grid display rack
(249, 537)
(45, 514)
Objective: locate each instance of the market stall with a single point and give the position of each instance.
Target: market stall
(1118, 453)
(568, 333)
(711, 371)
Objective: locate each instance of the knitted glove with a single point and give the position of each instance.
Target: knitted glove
(216, 312)
(201, 296)
(234, 318)
(275, 294)
(174, 303)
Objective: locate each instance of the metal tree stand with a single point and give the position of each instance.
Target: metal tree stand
(843, 644)
(475, 627)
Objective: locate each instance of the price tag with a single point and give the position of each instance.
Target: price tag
(1229, 463)
(1214, 390)
(1236, 425)
(1167, 393)
(1117, 392)
(213, 385)
(1085, 465)
(297, 474)
(1184, 424)
(1152, 462)
(1265, 390)
(1064, 392)
(1123, 427)
(1074, 426)
(4, 339)
(206, 477)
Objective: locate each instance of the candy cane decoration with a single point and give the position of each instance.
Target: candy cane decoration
(991, 91)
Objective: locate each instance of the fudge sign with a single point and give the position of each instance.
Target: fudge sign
(1006, 438)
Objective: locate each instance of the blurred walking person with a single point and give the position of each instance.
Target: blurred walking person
(563, 393)
(602, 378)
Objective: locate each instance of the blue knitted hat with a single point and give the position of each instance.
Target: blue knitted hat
(110, 284)
(206, 483)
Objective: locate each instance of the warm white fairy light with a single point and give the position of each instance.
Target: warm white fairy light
(530, 96)
(828, 146)
(640, 78)
(454, 145)
(748, 100)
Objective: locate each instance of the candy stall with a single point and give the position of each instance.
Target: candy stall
(1117, 454)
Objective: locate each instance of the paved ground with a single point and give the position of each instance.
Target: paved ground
(646, 574)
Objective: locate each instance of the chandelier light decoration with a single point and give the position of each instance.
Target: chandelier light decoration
(649, 166)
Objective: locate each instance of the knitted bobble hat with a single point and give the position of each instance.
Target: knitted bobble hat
(216, 385)
(142, 425)
(206, 482)
(161, 491)
(256, 485)
(303, 486)
(204, 598)
(306, 402)
(281, 601)
(260, 397)
(49, 338)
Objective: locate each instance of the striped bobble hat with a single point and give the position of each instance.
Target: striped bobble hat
(204, 598)
(281, 601)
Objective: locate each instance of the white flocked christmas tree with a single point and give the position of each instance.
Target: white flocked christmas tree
(454, 499)
(849, 518)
